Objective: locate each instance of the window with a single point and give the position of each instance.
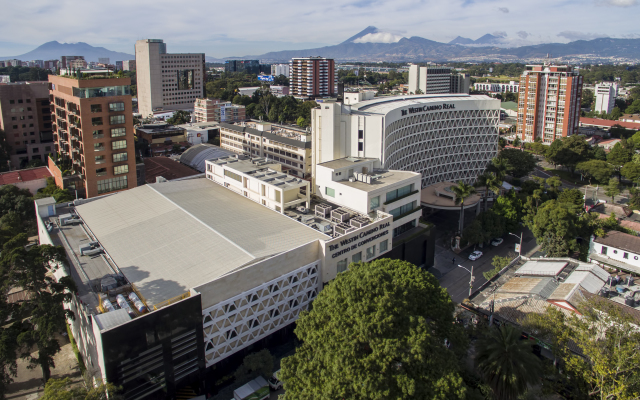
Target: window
(96, 121)
(374, 202)
(98, 146)
(35, 149)
(232, 175)
(329, 192)
(20, 101)
(119, 144)
(109, 185)
(396, 194)
(98, 134)
(360, 134)
(625, 255)
(604, 250)
(120, 169)
(396, 212)
(12, 102)
(96, 108)
(356, 257)
(360, 146)
(384, 245)
(117, 132)
(101, 172)
(404, 228)
(119, 157)
(116, 106)
(100, 160)
(342, 265)
(371, 252)
(116, 119)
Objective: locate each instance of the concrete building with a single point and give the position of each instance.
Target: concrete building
(606, 93)
(129, 65)
(280, 69)
(312, 77)
(216, 110)
(66, 60)
(444, 138)
(167, 81)
(460, 83)
(31, 179)
(512, 86)
(5, 78)
(76, 64)
(25, 118)
(548, 102)
(290, 147)
(51, 64)
(212, 272)
(357, 97)
(244, 66)
(431, 80)
(617, 250)
(103, 60)
(13, 63)
(93, 132)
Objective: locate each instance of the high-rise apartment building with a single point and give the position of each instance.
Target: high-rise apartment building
(548, 102)
(93, 132)
(606, 93)
(460, 83)
(66, 60)
(216, 110)
(280, 69)
(246, 66)
(431, 80)
(25, 118)
(312, 77)
(129, 65)
(167, 81)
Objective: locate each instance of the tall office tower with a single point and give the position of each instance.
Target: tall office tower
(25, 118)
(66, 60)
(129, 65)
(460, 83)
(93, 132)
(548, 102)
(167, 81)
(280, 69)
(606, 93)
(430, 80)
(312, 77)
(246, 66)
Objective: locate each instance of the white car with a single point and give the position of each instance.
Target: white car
(497, 241)
(475, 255)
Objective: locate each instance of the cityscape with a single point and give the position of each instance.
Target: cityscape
(382, 217)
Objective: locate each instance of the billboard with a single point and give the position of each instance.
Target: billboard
(265, 78)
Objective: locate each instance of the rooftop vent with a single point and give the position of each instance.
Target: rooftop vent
(343, 228)
(340, 215)
(322, 210)
(359, 222)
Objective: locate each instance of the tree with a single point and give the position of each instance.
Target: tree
(551, 155)
(8, 342)
(597, 170)
(619, 155)
(606, 334)
(599, 153)
(573, 151)
(631, 171)
(462, 191)
(42, 316)
(587, 98)
(571, 196)
(500, 166)
(612, 189)
(62, 389)
(517, 142)
(52, 190)
(254, 365)
(509, 207)
(555, 183)
(180, 117)
(490, 182)
(521, 163)
(556, 227)
(507, 363)
(377, 331)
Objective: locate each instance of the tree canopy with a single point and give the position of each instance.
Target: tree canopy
(521, 163)
(377, 331)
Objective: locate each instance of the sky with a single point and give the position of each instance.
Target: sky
(234, 28)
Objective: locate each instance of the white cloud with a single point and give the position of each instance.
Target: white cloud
(504, 10)
(523, 34)
(501, 34)
(379, 37)
(620, 3)
(575, 35)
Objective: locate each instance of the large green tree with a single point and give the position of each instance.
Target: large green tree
(573, 151)
(377, 331)
(596, 170)
(556, 226)
(620, 155)
(507, 363)
(64, 389)
(612, 189)
(521, 162)
(462, 192)
(180, 117)
(491, 183)
(631, 171)
(509, 207)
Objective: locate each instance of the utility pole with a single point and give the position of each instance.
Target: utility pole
(471, 279)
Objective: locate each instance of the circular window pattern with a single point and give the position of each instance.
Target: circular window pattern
(635, 257)
(615, 252)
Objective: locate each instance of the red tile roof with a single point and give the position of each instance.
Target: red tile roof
(24, 175)
(166, 168)
(608, 123)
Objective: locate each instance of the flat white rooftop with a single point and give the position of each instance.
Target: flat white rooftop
(170, 237)
(383, 105)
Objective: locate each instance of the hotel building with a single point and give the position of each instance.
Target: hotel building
(167, 81)
(312, 77)
(93, 133)
(606, 93)
(216, 110)
(548, 102)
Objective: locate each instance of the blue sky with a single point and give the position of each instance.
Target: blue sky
(222, 28)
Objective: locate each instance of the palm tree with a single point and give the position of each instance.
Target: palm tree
(500, 166)
(507, 363)
(462, 191)
(490, 182)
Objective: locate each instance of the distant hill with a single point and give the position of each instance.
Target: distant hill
(53, 50)
(462, 40)
(421, 49)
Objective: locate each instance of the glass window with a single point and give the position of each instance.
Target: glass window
(360, 134)
(98, 134)
(342, 265)
(101, 172)
(360, 146)
(98, 146)
(329, 192)
(108, 185)
(396, 212)
(119, 157)
(403, 191)
(107, 91)
(117, 132)
(100, 160)
(96, 121)
(374, 202)
(116, 106)
(384, 245)
(356, 257)
(116, 119)
(119, 144)
(96, 108)
(371, 252)
(232, 175)
(120, 169)
(12, 102)
(185, 79)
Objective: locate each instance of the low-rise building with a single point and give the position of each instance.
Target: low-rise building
(161, 133)
(617, 250)
(512, 87)
(607, 124)
(216, 110)
(31, 179)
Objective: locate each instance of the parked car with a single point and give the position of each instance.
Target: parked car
(274, 382)
(475, 255)
(497, 241)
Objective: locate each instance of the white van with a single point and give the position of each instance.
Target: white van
(274, 382)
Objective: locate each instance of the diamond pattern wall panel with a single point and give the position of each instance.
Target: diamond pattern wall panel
(443, 146)
(236, 323)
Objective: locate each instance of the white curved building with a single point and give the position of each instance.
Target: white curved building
(443, 137)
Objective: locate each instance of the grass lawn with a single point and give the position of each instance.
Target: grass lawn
(567, 176)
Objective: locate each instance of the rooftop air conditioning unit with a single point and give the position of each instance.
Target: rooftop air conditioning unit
(306, 219)
(340, 215)
(343, 229)
(359, 222)
(323, 210)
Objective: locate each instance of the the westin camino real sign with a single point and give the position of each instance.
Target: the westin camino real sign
(415, 110)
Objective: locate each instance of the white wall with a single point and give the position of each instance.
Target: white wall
(617, 254)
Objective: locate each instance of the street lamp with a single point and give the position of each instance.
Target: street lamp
(471, 279)
(520, 246)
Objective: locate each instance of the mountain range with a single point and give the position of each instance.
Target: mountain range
(53, 50)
